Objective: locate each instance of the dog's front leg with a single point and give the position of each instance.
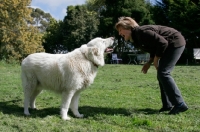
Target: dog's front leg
(66, 100)
(74, 104)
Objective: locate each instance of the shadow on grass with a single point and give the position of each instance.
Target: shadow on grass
(90, 111)
(12, 108)
(146, 111)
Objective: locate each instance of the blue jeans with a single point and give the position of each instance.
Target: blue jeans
(170, 93)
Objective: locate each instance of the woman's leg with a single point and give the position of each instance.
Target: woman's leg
(166, 65)
(166, 104)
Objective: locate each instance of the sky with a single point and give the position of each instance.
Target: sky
(57, 8)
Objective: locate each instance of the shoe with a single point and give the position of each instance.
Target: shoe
(165, 109)
(178, 108)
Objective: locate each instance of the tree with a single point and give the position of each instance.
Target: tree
(80, 26)
(17, 38)
(160, 12)
(95, 5)
(40, 19)
(53, 37)
(186, 12)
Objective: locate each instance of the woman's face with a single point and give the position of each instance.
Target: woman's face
(125, 33)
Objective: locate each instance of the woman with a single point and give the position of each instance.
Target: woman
(165, 46)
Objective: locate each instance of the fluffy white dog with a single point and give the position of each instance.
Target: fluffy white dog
(66, 74)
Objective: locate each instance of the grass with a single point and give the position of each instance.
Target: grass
(121, 99)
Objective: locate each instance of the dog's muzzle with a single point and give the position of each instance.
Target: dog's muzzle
(114, 45)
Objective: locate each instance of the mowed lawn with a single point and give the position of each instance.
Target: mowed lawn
(121, 99)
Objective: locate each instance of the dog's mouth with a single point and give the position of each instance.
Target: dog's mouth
(111, 49)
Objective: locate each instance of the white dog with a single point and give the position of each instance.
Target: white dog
(67, 74)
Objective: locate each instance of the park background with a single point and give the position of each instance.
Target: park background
(25, 30)
(121, 99)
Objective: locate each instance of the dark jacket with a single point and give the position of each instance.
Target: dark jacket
(154, 39)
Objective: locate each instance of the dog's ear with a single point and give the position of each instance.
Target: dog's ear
(96, 51)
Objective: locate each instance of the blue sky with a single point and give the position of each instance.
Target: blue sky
(57, 8)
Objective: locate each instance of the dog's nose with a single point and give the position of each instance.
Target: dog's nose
(113, 38)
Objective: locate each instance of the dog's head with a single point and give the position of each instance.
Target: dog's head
(105, 45)
(95, 49)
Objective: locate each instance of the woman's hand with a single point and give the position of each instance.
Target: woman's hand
(156, 62)
(146, 67)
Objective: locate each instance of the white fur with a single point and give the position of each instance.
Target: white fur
(66, 74)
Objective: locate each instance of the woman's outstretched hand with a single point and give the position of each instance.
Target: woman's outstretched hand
(146, 67)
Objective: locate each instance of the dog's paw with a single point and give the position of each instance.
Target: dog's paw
(66, 118)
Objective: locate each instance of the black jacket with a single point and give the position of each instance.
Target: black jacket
(155, 39)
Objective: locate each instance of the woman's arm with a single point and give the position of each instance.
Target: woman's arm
(156, 62)
(146, 66)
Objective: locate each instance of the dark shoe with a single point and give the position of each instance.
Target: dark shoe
(165, 109)
(178, 108)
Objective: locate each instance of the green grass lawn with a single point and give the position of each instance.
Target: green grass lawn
(121, 99)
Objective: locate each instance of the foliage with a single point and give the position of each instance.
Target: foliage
(41, 19)
(17, 38)
(80, 26)
(121, 99)
(53, 37)
(95, 5)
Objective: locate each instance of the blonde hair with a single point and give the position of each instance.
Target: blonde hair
(126, 23)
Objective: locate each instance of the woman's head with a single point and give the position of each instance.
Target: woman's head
(124, 26)
(126, 23)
